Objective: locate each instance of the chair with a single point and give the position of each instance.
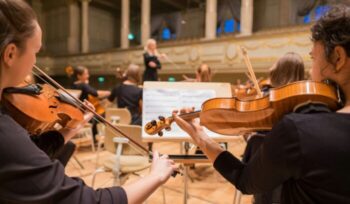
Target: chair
(118, 115)
(84, 137)
(123, 160)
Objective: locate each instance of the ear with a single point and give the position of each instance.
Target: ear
(9, 54)
(339, 58)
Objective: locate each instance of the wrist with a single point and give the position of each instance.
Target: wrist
(157, 178)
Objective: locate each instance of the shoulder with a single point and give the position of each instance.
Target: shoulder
(308, 119)
(9, 126)
(117, 87)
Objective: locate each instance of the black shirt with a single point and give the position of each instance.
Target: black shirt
(86, 90)
(27, 175)
(151, 73)
(309, 154)
(128, 96)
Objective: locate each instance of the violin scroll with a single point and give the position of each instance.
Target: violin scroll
(157, 127)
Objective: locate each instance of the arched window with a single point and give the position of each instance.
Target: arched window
(229, 26)
(166, 34)
(316, 13)
(320, 10)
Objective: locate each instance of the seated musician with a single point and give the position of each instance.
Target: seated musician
(129, 95)
(289, 68)
(81, 82)
(308, 154)
(203, 74)
(27, 174)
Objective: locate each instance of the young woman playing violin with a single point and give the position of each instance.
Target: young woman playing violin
(203, 74)
(307, 153)
(81, 82)
(28, 175)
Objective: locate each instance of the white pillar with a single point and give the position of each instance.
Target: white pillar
(145, 21)
(125, 24)
(85, 26)
(74, 27)
(246, 17)
(210, 19)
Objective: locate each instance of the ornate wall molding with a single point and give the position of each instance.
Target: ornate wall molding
(222, 54)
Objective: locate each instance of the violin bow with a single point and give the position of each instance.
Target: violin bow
(250, 69)
(171, 62)
(98, 117)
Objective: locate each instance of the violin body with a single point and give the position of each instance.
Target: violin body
(232, 116)
(95, 101)
(41, 111)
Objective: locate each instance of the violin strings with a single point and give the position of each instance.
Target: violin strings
(80, 105)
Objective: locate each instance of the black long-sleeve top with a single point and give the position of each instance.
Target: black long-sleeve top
(128, 96)
(28, 176)
(151, 73)
(86, 90)
(309, 154)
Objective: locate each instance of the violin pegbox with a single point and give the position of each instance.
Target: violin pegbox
(156, 127)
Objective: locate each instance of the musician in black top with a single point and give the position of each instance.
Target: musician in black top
(129, 95)
(289, 68)
(81, 82)
(27, 174)
(151, 60)
(308, 154)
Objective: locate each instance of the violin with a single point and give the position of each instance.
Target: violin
(232, 116)
(244, 92)
(95, 101)
(40, 108)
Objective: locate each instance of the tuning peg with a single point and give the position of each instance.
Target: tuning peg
(154, 123)
(148, 126)
(161, 118)
(168, 128)
(160, 133)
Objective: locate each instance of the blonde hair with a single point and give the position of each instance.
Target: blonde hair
(204, 73)
(287, 69)
(146, 48)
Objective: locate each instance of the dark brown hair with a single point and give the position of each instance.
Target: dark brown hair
(17, 23)
(204, 72)
(78, 70)
(289, 68)
(333, 29)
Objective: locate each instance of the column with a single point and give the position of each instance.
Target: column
(246, 17)
(85, 26)
(210, 19)
(125, 24)
(145, 21)
(74, 28)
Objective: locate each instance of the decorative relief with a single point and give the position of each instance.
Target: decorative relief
(194, 54)
(224, 55)
(231, 52)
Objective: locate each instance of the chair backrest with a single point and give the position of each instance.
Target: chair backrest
(84, 137)
(120, 115)
(75, 92)
(133, 131)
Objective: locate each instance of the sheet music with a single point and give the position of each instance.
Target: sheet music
(161, 102)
